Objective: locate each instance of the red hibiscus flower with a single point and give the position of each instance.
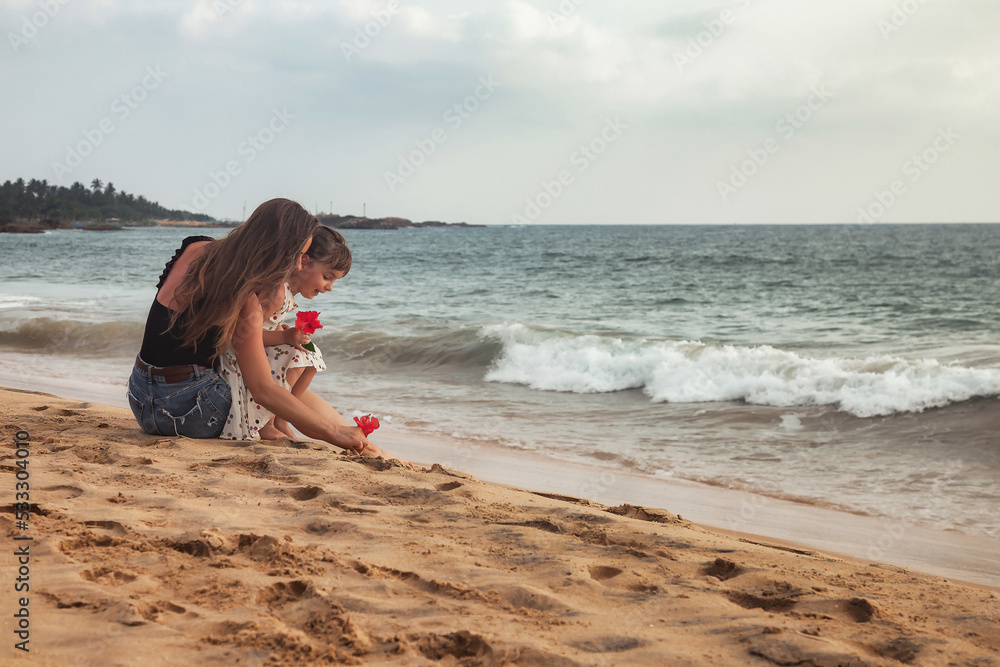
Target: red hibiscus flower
(367, 423)
(307, 321)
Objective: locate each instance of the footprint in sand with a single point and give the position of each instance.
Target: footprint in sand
(604, 572)
(608, 644)
(462, 645)
(336, 504)
(108, 576)
(723, 569)
(466, 648)
(264, 467)
(199, 548)
(785, 649)
(86, 541)
(112, 526)
(135, 613)
(175, 608)
(856, 610)
(407, 495)
(35, 509)
(64, 492)
(773, 596)
(305, 492)
(283, 592)
(324, 527)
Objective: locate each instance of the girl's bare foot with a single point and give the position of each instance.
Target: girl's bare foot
(284, 428)
(269, 432)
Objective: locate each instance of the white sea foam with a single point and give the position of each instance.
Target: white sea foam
(693, 372)
(8, 301)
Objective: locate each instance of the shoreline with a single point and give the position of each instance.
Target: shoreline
(952, 554)
(171, 550)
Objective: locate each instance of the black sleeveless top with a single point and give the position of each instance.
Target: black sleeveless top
(161, 347)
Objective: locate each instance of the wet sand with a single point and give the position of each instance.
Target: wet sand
(160, 551)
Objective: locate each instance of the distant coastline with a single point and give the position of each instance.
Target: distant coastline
(36, 206)
(335, 221)
(112, 225)
(361, 222)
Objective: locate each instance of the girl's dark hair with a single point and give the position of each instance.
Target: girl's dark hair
(330, 247)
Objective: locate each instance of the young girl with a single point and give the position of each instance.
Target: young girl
(327, 259)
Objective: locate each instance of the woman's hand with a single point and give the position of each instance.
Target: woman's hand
(372, 450)
(294, 337)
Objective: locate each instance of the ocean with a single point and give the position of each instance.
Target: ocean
(849, 367)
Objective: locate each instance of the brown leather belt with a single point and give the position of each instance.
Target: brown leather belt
(170, 374)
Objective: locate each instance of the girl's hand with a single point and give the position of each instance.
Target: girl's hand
(295, 337)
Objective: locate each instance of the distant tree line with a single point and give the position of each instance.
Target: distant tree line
(38, 202)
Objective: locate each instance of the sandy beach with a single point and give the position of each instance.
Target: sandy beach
(160, 551)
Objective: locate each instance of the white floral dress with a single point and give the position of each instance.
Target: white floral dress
(246, 416)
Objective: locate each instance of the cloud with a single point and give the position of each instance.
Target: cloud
(424, 25)
(199, 19)
(565, 67)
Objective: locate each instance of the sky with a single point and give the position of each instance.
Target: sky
(515, 111)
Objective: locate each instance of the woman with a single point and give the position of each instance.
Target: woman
(217, 293)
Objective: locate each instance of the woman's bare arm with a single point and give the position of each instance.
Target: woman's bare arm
(325, 409)
(249, 346)
(177, 272)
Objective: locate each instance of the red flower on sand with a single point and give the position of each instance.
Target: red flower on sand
(367, 423)
(307, 321)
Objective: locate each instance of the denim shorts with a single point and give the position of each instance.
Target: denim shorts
(195, 408)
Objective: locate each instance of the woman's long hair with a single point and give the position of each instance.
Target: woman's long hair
(255, 258)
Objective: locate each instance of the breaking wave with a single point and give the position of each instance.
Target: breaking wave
(694, 372)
